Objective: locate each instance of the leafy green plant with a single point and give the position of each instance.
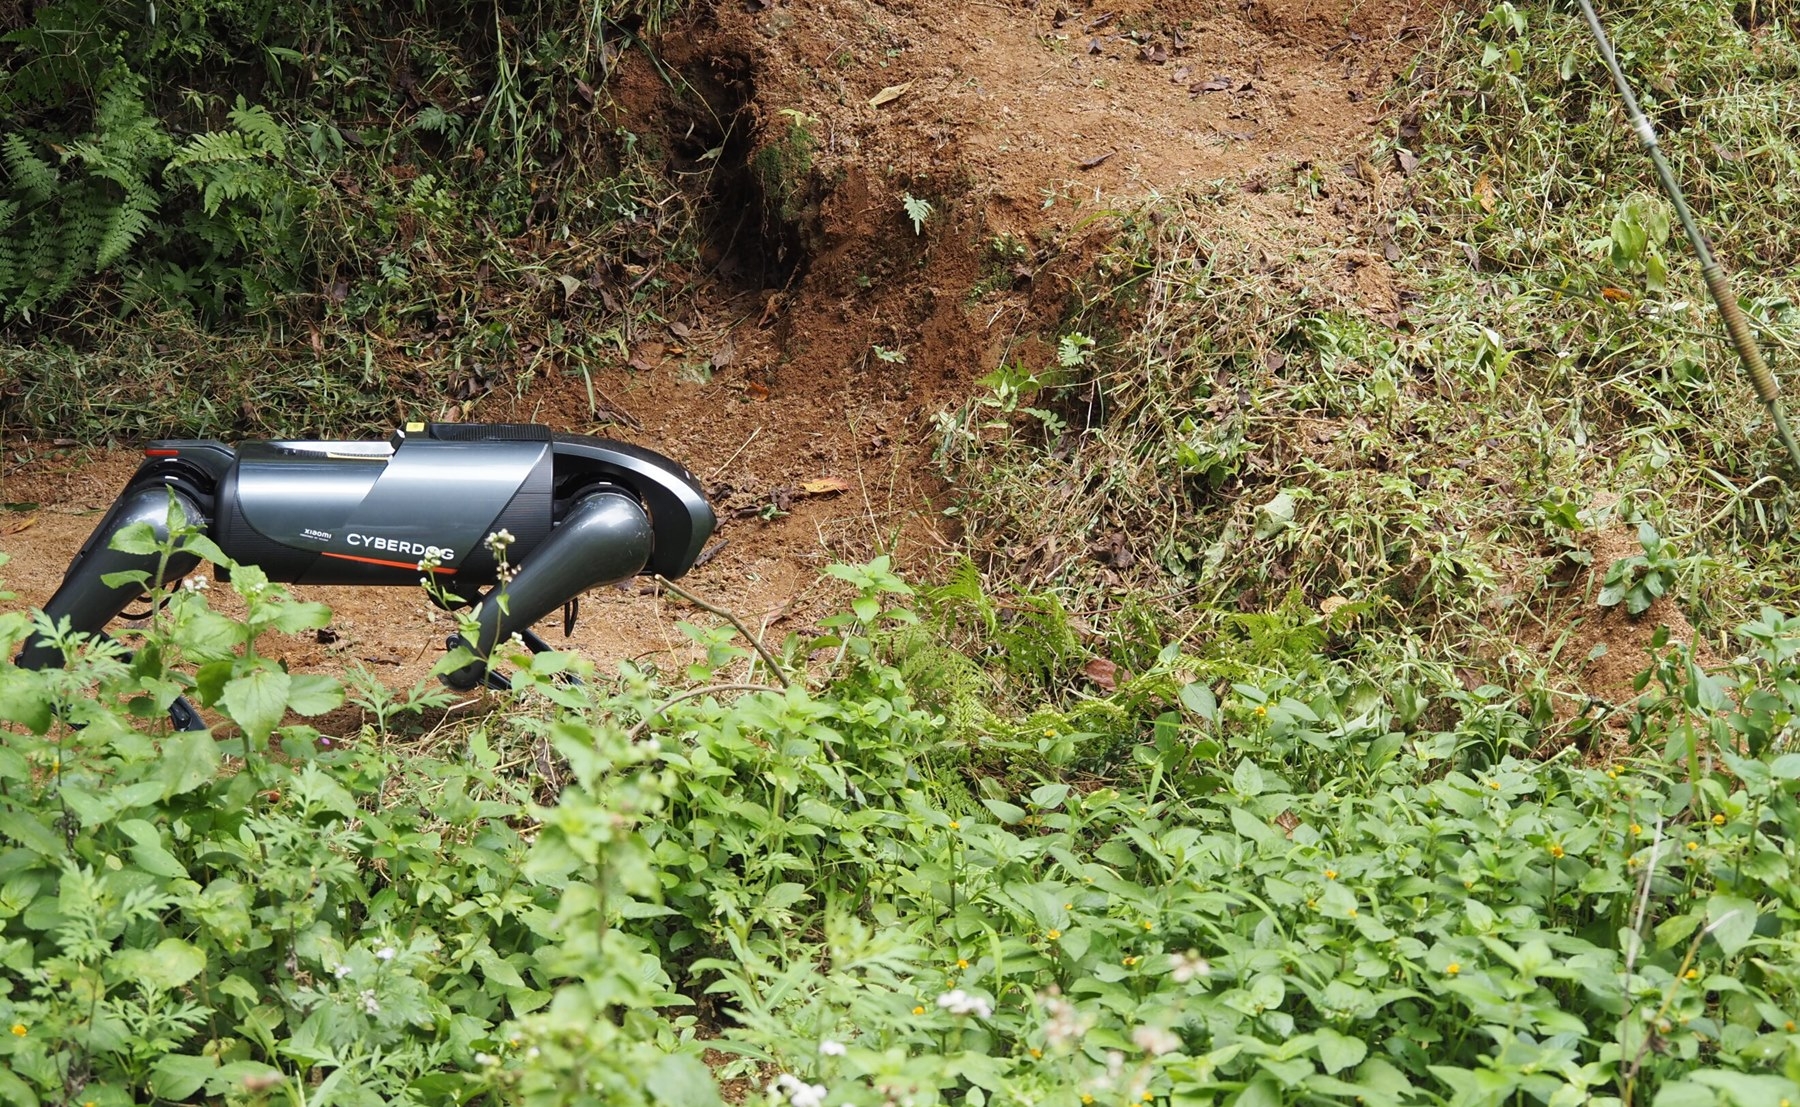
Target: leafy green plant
(917, 211)
(1641, 579)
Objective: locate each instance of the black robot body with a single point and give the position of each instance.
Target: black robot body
(580, 512)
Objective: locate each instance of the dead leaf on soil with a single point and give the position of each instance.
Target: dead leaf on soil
(824, 486)
(1096, 161)
(1103, 673)
(724, 355)
(1102, 21)
(16, 525)
(1216, 84)
(1153, 53)
(889, 94)
(757, 391)
(1288, 822)
(1407, 160)
(1484, 192)
(680, 330)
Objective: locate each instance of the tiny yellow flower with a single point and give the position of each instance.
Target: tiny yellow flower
(1330, 874)
(1636, 829)
(918, 1010)
(1494, 784)
(19, 1029)
(1452, 968)
(1261, 711)
(1148, 925)
(1556, 851)
(1353, 912)
(1468, 884)
(1068, 907)
(1049, 732)
(1692, 974)
(1086, 1098)
(962, 962)
(1613, 774)
(1631, 863)
(1054, 934)
(1718, 820)
(1693, 845)
(1128, 961)
(1147, 1097)
(1036, 1053)
(954, 825)
(1312, 903)
(1790, 1026)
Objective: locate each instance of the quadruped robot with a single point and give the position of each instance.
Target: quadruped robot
(582, 512)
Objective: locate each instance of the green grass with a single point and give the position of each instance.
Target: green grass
(1258, 434)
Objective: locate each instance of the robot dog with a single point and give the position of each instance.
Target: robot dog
(582, 512)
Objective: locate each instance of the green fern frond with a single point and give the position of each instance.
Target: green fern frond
(215, 148)
(31, 175)
(125, 226)
(262, 130)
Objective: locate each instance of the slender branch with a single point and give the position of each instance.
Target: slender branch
(644, 723)
(762, 651)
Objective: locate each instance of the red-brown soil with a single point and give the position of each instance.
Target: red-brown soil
(1019, 124)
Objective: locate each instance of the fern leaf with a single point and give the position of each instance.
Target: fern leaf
(33, 176)
(263, 130)
(126, 225)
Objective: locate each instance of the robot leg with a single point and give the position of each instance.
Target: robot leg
(605, 538)
(84, 598)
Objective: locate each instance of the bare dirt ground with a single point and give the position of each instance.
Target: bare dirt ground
(1021, 125)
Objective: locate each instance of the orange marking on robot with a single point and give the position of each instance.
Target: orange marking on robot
(389, 564)
(162, 453)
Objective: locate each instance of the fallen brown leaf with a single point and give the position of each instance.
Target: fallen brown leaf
(824, 486)
(1103, 673)
(1407, 160)
(1484, 192)
(889, 94)
(1096, 161)
(14, 526)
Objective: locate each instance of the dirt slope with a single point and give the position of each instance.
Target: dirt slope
(1020, 125)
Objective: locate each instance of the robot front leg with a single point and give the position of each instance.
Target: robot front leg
(606, 537)
(85, 599)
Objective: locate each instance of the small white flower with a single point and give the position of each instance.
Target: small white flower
(960, 1002)
(385, 953)
(485, 1059)
(1066, 1026)
(1188, 966)
(1155, 1040)
(832, 1049)
(368, 1003)
(798, 1092)
(196, 584)
(341, 971)
(531, 1054)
